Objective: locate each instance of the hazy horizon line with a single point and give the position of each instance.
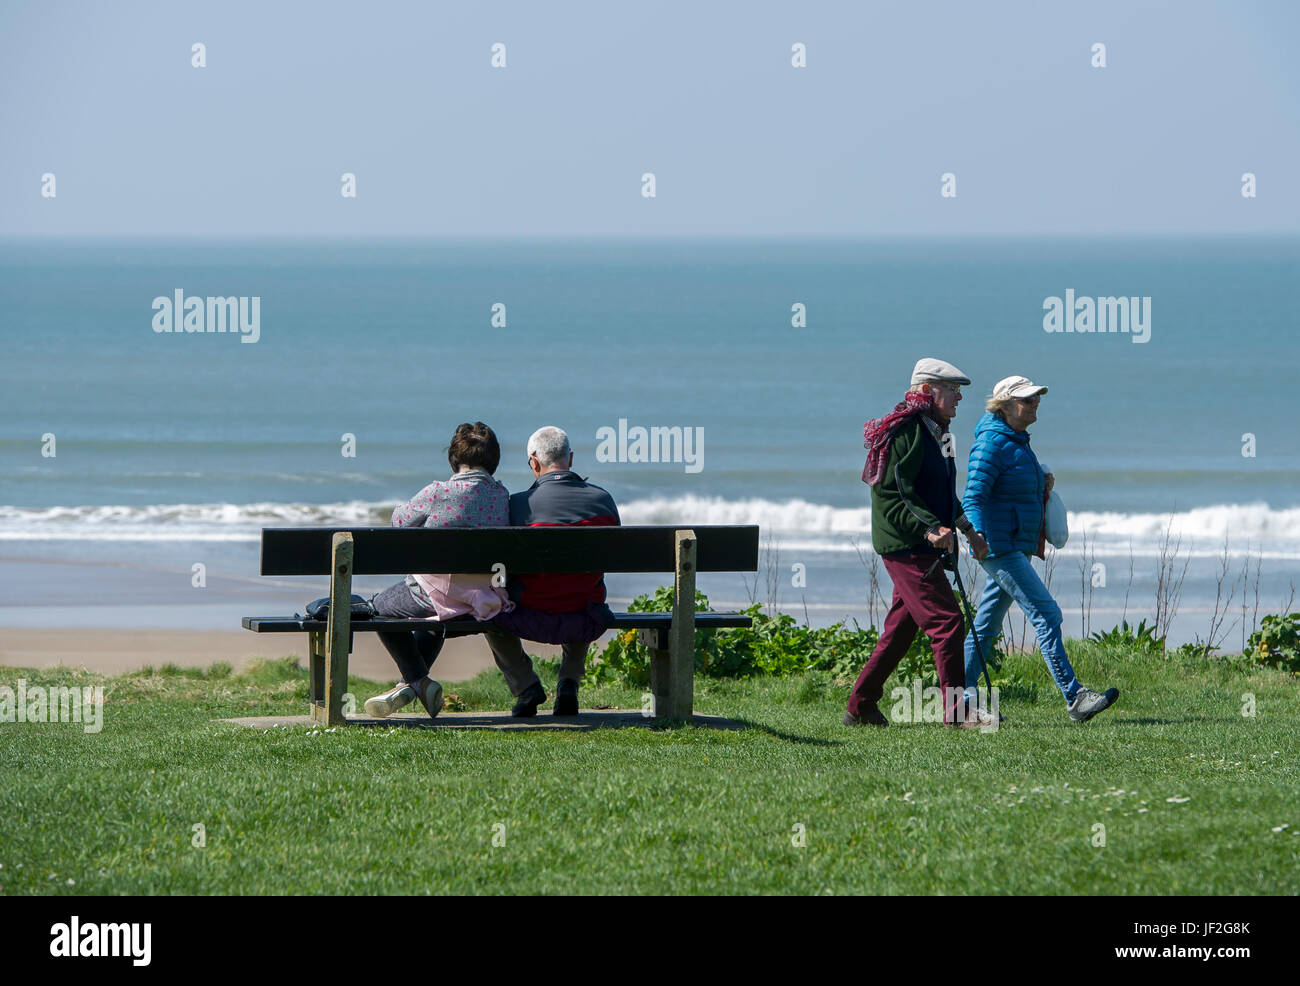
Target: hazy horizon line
(635, 239)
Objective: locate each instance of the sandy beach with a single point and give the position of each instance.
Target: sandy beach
(116, 651)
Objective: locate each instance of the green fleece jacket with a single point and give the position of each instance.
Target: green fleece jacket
(894, 527)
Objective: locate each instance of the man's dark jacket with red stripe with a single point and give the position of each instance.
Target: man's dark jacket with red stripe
(561, 499)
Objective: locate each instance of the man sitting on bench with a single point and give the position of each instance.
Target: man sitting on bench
(565, 609)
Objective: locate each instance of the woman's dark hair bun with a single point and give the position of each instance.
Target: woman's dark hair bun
(474, 445)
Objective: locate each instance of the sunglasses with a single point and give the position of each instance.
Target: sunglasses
(1032, 401)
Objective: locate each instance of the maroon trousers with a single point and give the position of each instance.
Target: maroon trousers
(920, 601)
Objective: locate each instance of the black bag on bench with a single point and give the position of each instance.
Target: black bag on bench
(319, 609)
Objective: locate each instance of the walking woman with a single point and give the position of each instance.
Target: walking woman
(1006, 489)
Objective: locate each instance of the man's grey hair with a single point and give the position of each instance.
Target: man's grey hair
(550, 445)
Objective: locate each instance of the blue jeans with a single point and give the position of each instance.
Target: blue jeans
(1010, 577)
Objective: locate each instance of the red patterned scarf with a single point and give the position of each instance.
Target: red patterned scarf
(879, 432)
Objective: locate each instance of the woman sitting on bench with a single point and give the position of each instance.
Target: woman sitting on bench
(470, 498)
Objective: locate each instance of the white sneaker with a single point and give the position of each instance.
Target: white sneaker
(389, 702)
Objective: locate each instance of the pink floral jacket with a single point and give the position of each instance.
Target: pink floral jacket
(468, 499)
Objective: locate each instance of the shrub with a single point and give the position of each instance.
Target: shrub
(1277, 642)
(624, 658)
(1140, 637)
(1196, 650)
(774, 645)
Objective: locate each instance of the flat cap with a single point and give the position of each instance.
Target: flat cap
(930, 370)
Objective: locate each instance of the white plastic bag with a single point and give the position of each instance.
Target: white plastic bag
(1054, 519)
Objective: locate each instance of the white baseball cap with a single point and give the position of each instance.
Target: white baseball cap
(1016, 387)
(930, 370)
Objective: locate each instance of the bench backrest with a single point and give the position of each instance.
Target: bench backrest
(457, 550)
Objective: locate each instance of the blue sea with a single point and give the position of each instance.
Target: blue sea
(172, 449)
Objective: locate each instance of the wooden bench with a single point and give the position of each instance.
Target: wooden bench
(341, 553)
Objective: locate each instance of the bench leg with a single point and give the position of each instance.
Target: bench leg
(316, 673)
(338, 632)
(660, 668)
(681, 636)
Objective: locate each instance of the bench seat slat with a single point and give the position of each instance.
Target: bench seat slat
(461, 628)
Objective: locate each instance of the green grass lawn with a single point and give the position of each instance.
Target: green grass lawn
(1189, 790)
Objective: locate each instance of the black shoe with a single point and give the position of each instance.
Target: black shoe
(527, 703)
(868, 717)
(566, 698)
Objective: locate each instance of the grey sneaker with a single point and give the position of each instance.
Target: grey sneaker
(981, 719)
(389, 702)
(1088, 703)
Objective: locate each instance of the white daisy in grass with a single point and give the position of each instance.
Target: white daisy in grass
(1178, 801)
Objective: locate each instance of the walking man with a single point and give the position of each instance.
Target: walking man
(912, 473)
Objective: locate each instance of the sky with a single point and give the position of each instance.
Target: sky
(1003, 96)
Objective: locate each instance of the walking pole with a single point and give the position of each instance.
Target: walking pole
(965, 602)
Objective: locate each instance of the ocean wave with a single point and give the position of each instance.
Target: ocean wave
(1257, 523)
(790, 516)
(181, 521)
(794, 524)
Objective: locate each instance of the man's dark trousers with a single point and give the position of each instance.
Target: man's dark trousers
(924, 601)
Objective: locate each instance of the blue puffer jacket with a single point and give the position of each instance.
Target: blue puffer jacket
(1004, 487)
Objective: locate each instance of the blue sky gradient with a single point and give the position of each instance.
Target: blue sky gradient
(1003, 95)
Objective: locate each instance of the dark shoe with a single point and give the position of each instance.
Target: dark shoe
(430, 695)
(527, 703)
(1088, 703)
(566, 698)
(868, 717)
